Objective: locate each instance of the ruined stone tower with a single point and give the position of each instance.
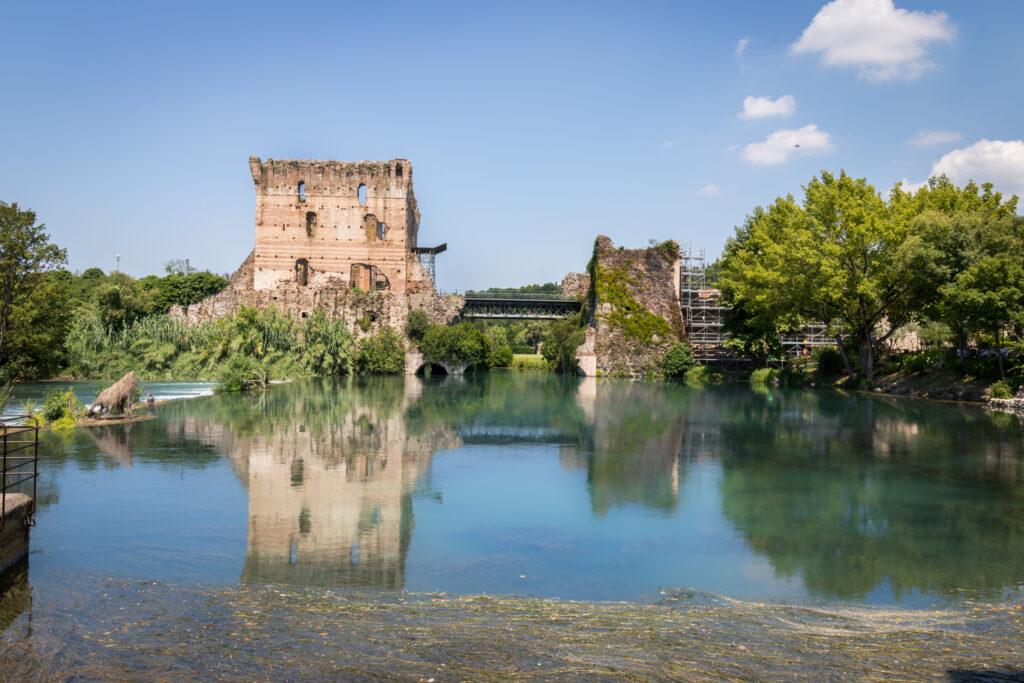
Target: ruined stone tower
(333, 220)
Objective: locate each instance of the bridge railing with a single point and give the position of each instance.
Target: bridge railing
(526, 296)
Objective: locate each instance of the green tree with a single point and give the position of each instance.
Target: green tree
(464, 343)
(25, 254)
(989, 297)
(678, 361)
(560, 344)
(381, 354)
(843, 257)
(416, 324)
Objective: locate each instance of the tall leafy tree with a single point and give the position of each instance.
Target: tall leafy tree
(843, 257)
(25, 255)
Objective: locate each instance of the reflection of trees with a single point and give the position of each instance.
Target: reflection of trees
(851, 493)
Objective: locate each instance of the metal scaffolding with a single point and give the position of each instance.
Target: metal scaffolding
(704, 314)
(703, 311)
(428, 258)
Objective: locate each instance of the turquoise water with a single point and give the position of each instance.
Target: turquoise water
(533, 485)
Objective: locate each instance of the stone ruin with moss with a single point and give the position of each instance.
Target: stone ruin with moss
(632, 309)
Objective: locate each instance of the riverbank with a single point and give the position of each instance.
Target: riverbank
(259, 632)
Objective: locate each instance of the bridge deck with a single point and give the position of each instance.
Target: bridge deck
(509, 308)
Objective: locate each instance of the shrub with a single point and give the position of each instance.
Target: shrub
(560, 343)
(381, 354)
(915, 362)
(365, 323)
(500, 357)
(702, 376)
(58, 404)
(1000, 389)
(764, 377)
(242, 373)
(416, 324)
(830, 362)
(528, 361)
(792, 377)
(328, 347)
(462, 343)
(677, 361)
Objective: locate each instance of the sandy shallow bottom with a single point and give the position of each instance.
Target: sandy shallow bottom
(107, 629)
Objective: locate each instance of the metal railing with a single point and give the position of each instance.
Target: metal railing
(20, 451)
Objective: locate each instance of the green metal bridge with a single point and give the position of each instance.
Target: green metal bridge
(518, 307)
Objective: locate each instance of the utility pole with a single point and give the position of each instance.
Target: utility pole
(188, 268)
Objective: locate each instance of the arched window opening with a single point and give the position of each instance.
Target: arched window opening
(398, 170)
(381, 282)
(302, 190)
(382, 230)
(302, 272)
(310, 223)
(362, 195)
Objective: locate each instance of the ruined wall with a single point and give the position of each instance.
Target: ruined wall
(328, 248)
(575, 285)
(321, 220)
(633, 308)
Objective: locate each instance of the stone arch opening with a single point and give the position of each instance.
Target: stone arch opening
(302, 272)
(398, 169)
(361, 194)
(310, 223)
(301, 190)
(382, 230)
(428, 370)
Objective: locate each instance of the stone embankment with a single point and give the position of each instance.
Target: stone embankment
(14, 533)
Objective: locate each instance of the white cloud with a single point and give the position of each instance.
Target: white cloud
(709, 190)
(935, 138)
(780, 145)
(668, 144)
(764, 107)
(884, 42)
(741, 47)
(912, 187)
(1000, 162)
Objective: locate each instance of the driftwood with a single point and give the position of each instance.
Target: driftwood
(116, 399)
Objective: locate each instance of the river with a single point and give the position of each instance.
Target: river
(320, 519)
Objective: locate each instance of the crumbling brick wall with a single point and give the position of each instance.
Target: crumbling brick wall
(334, 236)
(321, 220)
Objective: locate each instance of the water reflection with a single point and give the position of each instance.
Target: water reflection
(777, 493)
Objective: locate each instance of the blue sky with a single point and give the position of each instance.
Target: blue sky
(532, 127)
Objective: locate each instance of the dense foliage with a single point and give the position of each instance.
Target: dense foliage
(561, 341)
(26, 260)
(678, 361)
(469, 344)
(47, 314)
(868, 267)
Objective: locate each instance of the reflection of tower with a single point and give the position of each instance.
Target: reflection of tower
(333, 508)
(330, 469)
